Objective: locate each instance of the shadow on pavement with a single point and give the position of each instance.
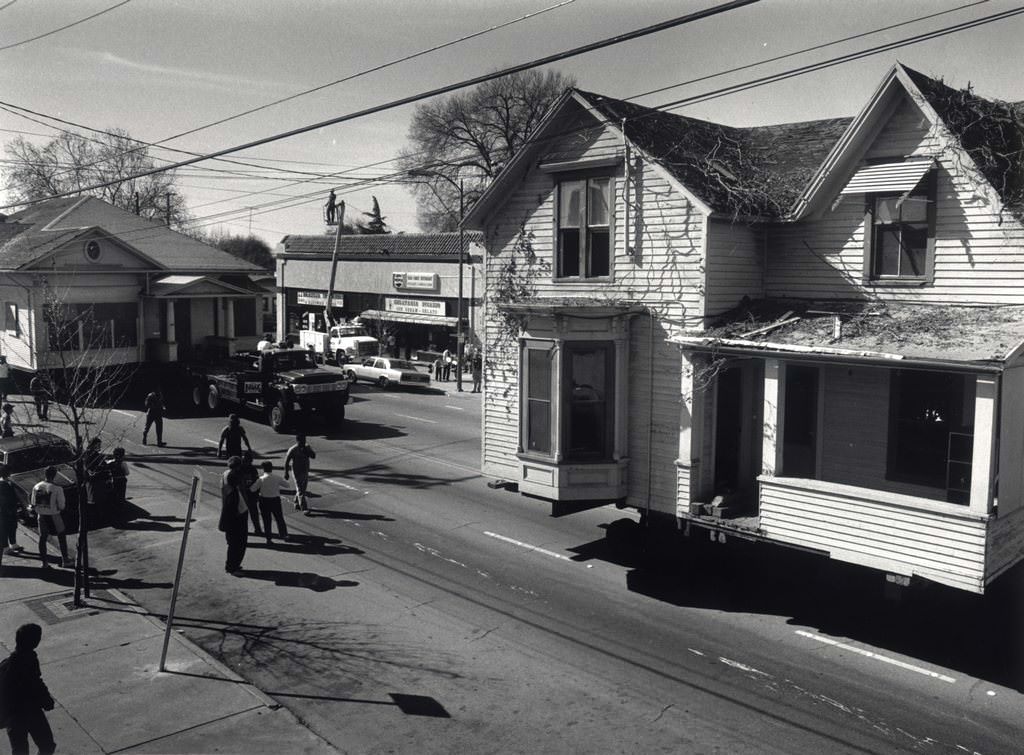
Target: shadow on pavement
(979, 635)
(350, 515)
(310, 544)
(308, 580)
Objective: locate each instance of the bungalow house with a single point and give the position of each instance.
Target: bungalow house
(137, 291)
(807, 334)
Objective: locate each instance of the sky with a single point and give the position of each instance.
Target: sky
(160, 67)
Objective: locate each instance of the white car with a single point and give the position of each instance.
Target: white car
(386, 372)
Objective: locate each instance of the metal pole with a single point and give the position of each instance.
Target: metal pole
(193, 499)
(462, 253)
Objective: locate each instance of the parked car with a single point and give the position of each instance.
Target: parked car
(27, 457)
(386, 372)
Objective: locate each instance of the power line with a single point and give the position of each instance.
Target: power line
(62, 28)
(5, 6)
(576, 51)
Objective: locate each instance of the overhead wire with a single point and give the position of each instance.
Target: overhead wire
(50, 33)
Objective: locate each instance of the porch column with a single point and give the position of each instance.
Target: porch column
(556, 403)
(774, 409)
(229, 318)
(984, 445)
(171, 334)
(690, 411)
(620, 441)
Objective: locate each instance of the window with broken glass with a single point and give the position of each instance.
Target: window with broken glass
(901, 232)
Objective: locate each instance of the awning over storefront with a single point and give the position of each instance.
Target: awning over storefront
(415, 319)
(888, 178)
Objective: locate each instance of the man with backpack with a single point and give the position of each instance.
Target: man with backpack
(24, 696)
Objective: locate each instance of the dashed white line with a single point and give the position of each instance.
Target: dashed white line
(126, 414)
(456, 408)
(527, 546)
(339, 484)
(877, 657)
(214, 442)
(420, 419)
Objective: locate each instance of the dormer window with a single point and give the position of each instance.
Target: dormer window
(899, 235)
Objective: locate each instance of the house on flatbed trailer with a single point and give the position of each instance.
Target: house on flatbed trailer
(808, 334)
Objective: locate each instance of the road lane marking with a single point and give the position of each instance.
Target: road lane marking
(527, 546)
(877, 657)
(126, 414)
(340, 484)
(456, 408)
(214, 442)
(741, 666)
(421, 419)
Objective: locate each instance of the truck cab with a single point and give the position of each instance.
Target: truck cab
(343, 343)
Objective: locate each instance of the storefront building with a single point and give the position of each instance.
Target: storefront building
(403, 288)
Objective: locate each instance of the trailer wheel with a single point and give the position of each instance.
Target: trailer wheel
(278, 417)
(213, 399)
(199, 396)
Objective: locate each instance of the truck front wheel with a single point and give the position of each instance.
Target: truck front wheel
(213, 399)
(340, 357)
(199, 396)
(278, 417)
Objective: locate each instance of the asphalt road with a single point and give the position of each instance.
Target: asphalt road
(419, 610)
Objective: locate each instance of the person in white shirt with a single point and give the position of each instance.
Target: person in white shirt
(48, 502)
(268, 488)
(266, 343)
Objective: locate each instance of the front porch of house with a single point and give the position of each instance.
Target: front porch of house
(876, 465)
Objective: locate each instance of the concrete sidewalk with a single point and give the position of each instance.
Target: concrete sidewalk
(101, 665)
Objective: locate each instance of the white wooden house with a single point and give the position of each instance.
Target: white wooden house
(807, 334)
(139, 291)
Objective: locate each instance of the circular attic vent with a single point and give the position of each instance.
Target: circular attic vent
(93, 250)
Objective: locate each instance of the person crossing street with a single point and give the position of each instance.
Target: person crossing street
(154, 416)
(297, 462)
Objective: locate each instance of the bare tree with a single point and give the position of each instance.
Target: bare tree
(479, 129)
(72, 161)
(83, 374)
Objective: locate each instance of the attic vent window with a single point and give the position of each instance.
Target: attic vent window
(93, 250)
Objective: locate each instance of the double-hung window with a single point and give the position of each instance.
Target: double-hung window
(584, 227)
(900, 234)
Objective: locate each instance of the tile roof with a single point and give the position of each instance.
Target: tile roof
(912, 331)
(58, 220)
(739, 171)
(382, 244)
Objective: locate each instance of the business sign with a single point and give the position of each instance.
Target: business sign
(433, 307)
(318, 299)
(415, 281)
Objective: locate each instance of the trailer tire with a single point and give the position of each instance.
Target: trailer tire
(213, 399)
(278, 417)
(199, 396)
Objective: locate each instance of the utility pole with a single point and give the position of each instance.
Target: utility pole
(167, 198)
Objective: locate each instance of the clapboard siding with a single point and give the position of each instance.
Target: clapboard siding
(893, 533)
(16, 340)
(735, 264)
(1005, 542)
(661, 267)
(979, 252)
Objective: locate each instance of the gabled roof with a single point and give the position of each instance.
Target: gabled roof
(51, 223)
(439, 245)
(755, 171)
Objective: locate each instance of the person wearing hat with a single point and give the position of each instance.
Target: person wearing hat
(23, 713)
(234, 515)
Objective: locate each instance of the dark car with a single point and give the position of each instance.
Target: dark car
(27, 457)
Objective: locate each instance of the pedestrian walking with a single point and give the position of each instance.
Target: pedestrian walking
(24, 696)
(231, 438)
(296, 461)
(446, 365)
(8, 515)
(268, 489)
(155, 416)
(48, 501)
(249, 475)
(117, 468)
(234, 515)
(37, 386)
(478, 370)
(438, 368)
(7, 421)
(7, 386)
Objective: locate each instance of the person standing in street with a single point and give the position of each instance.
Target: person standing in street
(478, 370)
(446, 365)
(268, 488)
(154, 416)
(24, 696)
(249, 474)
(6, 381)
(48, 501)
(234, 515)
(231, 438)
(41, 396)
(8, 515)
(297, 462)
(7, 421)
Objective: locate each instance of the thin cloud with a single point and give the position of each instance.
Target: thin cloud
(193, 77)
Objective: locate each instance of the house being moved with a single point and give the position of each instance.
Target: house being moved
(807, 334)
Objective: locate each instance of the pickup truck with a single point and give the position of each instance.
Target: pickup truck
(342, 343)
(283, 384)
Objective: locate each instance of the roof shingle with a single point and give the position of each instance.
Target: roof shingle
(444, 245)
